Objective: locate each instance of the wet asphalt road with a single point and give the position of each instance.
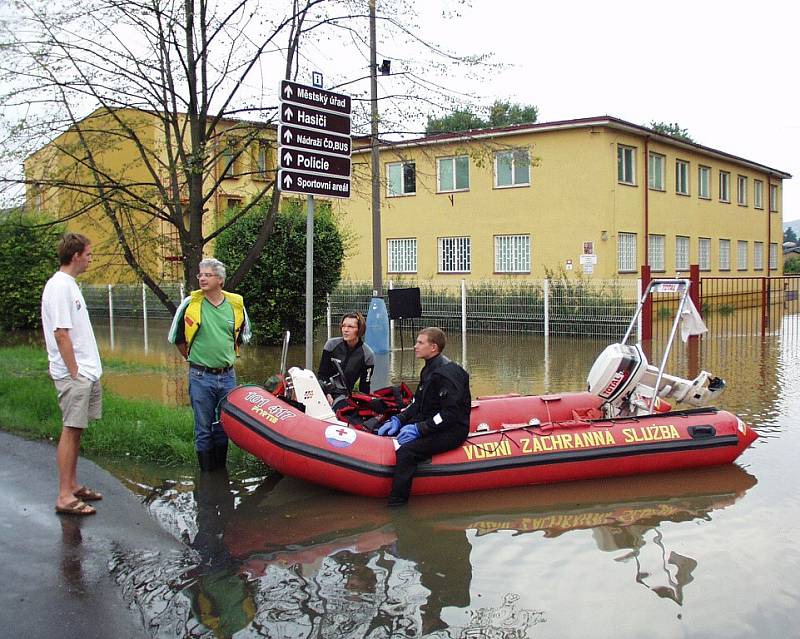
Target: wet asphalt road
(54, 569)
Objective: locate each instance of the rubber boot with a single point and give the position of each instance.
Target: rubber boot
(220, 455)
(206, 459)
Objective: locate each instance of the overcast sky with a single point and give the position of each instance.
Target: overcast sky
(725, 70)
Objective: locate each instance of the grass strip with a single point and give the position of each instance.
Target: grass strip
(129, 427)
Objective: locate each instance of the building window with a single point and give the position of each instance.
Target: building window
(758, 194)
(741, 255)
(704, 182)
(626, 252)
(262, 155)
(402, 255)
(682, 253)
(626, 164)
(453, 174)
(454, 255)
(773, 256)
(655, 171)
(704, 253)
(758, 256)
(724, 186)
(512, 168)
(228, 159)
(512, 253)
(741, 190)
(655, 252)
(402, 178)
(724, 255)
(773, 198)
(233, 203)
(682, 177)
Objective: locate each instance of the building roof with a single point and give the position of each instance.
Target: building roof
(597, 121)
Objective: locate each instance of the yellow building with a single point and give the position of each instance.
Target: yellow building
(597, 196)
(109, 174)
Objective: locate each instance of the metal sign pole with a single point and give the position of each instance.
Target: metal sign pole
(310, 282)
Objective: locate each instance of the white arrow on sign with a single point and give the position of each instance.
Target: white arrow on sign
(287, 157)
(288, 113)
(288, 91)
(287, 181)
(287, 135)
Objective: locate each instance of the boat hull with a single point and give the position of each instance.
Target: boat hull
(563, 444)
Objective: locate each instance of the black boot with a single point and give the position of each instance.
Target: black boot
(206, 459)
(220, 455)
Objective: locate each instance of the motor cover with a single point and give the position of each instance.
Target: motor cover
(616, 371)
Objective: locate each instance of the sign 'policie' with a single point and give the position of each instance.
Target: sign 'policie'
(315, 145)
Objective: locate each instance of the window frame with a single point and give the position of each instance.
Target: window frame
(657, 260)
(773, 198)
(682, 260)
(623, 166)
(758, 256)
(741, 255)
(391, 255)
(724, 254)
(466, 240)
(525, 259)
(652, 155)
(704, 253)
(513, 153)
(741, 190)
(758, 194)
(626, 254)
(725, 177)
(704, 171)
(684, 173)
(773, 256)
(452, 159)
(402, 164)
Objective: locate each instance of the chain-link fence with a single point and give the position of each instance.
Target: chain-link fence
(557, 307)
(128, 301)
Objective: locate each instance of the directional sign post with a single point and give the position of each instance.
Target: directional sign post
(314, 158)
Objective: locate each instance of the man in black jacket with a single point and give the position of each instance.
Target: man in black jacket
(437, 421)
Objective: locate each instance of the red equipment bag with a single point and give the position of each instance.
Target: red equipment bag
(367, 412)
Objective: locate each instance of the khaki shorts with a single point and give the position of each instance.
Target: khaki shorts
(80, 400)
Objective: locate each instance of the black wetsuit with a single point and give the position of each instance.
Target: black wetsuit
(441, 412)
(357, 363)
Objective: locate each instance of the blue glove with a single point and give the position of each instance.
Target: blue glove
(408, 434)
(390, 427)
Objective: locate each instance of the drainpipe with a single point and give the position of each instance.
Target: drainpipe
(646, 185)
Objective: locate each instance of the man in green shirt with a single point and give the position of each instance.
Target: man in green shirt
(207, 329)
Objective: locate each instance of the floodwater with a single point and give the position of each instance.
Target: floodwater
(710, 553)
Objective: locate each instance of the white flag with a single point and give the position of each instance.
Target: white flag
(691, 322)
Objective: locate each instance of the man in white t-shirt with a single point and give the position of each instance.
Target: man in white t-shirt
(74, 366)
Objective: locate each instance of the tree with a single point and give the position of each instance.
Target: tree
(500, 113)
(274, 288)
(792, 265)
(789, 235)
(673, 129)
(27, 259)
(167, 85)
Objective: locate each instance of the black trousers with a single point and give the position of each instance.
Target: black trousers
(411, 454)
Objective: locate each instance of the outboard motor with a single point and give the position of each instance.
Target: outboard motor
(616, 371)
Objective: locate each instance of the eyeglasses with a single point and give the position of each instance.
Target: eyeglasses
(206, 275)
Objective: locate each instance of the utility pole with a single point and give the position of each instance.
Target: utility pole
(377, 266)
(377, 336)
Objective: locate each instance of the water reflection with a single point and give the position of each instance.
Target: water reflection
(280, 558)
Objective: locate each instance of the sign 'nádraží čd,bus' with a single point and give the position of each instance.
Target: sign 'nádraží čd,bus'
(314, 141)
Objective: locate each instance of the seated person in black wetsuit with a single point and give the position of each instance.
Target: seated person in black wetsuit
(357, 360)
(437, 421)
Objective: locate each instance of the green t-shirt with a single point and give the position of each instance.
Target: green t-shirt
(213, 343)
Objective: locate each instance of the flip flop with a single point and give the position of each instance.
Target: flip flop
(87, 494)
(76, 507)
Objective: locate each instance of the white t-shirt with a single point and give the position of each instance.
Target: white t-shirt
(63, 306)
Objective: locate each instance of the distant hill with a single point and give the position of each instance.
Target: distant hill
(795, 224)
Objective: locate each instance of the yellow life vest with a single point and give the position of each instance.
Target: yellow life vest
(192, 316)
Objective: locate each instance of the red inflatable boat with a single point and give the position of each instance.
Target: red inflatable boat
(530, 440)
(621, 426)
